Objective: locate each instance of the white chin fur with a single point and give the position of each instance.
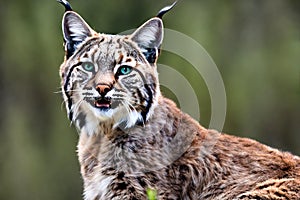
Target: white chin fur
(129, 118)
(116, 116)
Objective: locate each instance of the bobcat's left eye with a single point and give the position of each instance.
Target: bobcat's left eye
(88, 66)
(124, 70)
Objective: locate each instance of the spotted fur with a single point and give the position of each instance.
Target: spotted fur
(132, 138)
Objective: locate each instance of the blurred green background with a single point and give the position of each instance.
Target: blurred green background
(254, 43)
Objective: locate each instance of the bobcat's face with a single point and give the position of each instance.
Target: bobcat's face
(109, 78)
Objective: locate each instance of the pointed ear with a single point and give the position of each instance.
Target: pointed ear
(149, 37)
(75, 31)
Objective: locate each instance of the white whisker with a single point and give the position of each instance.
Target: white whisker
(126, 107)
(60, 91)
(62, 104)
(76, 107)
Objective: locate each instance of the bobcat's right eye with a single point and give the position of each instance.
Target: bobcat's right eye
(88, 66)
(124, 70)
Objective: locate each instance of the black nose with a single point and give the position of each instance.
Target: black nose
(103, 89)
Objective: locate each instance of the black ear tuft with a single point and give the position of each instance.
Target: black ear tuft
(66, 4)
(165, 10)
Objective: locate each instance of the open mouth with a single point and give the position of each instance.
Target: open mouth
(102, 103)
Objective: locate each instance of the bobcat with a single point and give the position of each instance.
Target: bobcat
(132, 138)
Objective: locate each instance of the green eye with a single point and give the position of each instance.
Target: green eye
(88, 66)
(124, 70)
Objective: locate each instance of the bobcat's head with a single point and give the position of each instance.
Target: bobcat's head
(109, 78)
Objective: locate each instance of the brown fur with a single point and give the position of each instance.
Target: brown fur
(214, 166)
(132, 138)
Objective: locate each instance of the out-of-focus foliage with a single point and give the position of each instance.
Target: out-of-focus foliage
(255, 44)
(151, 194)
